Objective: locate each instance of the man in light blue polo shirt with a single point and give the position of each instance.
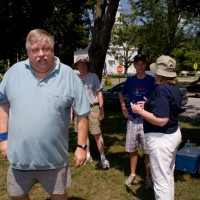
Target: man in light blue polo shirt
(35, 97)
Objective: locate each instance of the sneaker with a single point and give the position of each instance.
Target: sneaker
(148, 183)
(88, 160)
(130, 180)
(105, 164)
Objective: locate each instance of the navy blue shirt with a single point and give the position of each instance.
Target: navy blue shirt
(137, 89)
(165, 102)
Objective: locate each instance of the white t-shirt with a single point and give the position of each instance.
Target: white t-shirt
(92, 87)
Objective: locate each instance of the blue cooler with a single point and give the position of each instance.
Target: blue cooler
(188, 160)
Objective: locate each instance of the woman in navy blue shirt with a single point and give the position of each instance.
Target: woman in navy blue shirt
(161, 126)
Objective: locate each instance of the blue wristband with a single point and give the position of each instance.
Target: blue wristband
(3, 136)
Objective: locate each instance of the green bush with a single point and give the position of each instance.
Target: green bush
(108, 82)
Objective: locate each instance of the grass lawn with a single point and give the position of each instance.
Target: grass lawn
(90, 182)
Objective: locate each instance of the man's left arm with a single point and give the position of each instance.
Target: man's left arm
(4, 114)
(100, 98)
(80, 153)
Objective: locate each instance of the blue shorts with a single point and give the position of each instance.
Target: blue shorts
(55, 181)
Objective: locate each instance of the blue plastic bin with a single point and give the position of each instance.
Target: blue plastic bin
(188, 161)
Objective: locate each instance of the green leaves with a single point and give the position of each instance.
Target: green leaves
(63, 18)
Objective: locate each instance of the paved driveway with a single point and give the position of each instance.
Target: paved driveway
(192, 108)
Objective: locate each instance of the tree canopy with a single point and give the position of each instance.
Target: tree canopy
(124, 40)
(160, 27)
(164, 27)
(68, 22)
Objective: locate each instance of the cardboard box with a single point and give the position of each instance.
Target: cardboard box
(188, 160)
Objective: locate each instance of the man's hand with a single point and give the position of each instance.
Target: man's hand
(101, 114)
(125, 113)
(80, 156)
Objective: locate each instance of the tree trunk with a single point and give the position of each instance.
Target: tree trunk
(104, 19)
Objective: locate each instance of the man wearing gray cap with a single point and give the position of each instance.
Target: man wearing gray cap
(138, 88)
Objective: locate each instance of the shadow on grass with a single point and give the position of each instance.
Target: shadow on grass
(182, 176)
(141, 193)
(71, 198)
(114, 133)
(113, 129)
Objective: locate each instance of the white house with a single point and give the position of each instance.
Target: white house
(110, 63)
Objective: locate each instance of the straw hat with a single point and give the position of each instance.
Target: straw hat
(81, 59)
(164, 66)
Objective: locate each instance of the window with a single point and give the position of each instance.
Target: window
(111, 63)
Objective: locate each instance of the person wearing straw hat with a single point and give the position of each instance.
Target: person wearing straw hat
(161, 126)
(93, 90)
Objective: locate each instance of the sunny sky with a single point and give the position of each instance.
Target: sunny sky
(125, 5)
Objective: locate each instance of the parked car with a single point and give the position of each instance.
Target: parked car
(194, 87)
(111, 97)
(184, 96)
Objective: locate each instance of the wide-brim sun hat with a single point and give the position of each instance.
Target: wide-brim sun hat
(81, 59)
(164, 66)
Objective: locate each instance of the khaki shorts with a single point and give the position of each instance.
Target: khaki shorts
(55, 181)
(94, 122)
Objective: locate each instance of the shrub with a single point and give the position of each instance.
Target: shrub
(108, 82)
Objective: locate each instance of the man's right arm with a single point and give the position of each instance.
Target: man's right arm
(82, 126)
(122, 101)
(4, 114)
(123, 105)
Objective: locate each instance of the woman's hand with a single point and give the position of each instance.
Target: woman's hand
(141, 104)
(137, 108)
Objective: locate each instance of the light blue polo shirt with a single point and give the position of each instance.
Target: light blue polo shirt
(40, 114)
